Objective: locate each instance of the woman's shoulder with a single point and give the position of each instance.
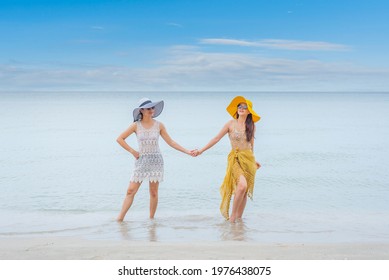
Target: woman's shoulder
(230, 123)
(159, 124)
(131, 128)
(134, 125)
(228, 126)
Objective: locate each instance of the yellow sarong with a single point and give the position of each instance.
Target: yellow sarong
(239, 163)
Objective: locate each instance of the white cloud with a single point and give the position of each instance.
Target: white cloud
(279, 44)
(97, 27)
(189, 68)
(175, 24)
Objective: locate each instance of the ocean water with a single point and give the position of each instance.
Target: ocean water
(324, 175)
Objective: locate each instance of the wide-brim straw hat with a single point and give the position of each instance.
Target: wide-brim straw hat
(145, 103)
(233, 107)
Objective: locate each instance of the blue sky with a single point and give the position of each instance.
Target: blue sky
(258, 45)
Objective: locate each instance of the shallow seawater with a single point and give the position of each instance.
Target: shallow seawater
(324, 172)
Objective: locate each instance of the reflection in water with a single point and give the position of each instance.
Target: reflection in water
(234, 231)
(185, 228)
(137, 231)
(124, 229)
(152, 228)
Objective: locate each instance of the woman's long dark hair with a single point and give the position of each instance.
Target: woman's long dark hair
(140, 117)
(249, 126)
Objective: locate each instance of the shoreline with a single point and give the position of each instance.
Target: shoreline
(69, 248)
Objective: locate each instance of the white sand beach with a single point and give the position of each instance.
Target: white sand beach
(64, 248)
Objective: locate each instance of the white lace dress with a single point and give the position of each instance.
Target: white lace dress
(149, 166)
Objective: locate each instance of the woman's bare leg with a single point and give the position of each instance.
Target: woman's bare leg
(240, 192)
(153, 189)
(131, 191)
(242, 207)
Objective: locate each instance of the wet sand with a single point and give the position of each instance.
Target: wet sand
(65, 248)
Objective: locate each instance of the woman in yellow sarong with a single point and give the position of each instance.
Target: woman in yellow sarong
(241, 168)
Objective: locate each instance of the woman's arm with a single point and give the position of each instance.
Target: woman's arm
(122, 137)
(216, 139)
(170, 141)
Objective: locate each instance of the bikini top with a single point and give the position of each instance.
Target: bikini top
(238, 139)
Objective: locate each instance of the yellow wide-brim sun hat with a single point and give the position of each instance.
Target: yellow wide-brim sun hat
(233, 107)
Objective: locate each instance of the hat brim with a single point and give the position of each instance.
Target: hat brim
(232, 108)
(157, 111)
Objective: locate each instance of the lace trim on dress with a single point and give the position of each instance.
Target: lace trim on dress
(150, 163)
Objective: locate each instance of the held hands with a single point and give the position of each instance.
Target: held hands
(192, 153)
(195, 153)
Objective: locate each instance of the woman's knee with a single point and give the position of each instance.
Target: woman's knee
(132, 191)
(153, 189)
(133, 188)
(241, 187)
(154, 192)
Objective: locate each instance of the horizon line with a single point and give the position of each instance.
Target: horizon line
(204, 91)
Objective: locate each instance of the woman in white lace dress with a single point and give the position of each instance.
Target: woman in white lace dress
(149, 161)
